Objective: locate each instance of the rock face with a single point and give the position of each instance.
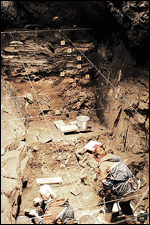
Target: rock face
(11, 127)
(14, 166)
(14, 153)
(130, 19)
(133, 19)
(46, 50)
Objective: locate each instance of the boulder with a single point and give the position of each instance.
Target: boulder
(6, 215)
(12, 128)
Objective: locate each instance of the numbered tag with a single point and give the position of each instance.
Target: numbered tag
(62, 43)
(78, 103)
(57, 112)
(70, 80)
(62, 74)
(81, 93)
(79, 66)
(87, 76)
(69, 50)
(74, 84)
(79, 58)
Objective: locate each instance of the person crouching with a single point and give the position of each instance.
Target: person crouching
(117, 180)
(56, 210)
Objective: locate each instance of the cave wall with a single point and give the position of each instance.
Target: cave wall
(14, 152)
(129, 19)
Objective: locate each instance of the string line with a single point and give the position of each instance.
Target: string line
(40, 116)
(46, 30)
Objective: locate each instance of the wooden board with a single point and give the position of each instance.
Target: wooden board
(59, 123)
(69, 128)
(50, 180)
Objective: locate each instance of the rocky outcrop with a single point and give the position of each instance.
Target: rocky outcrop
(14, 172)
(133, 21)
(133, 17)
(12, 128)
(14, 153)
(25, 51)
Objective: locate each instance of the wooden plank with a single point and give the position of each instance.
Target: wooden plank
(50, 180)
(59, 123)
(69, 128)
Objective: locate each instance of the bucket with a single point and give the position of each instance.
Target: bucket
(23, 220)
(82, 122)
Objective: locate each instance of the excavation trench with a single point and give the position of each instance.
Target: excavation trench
(51, 80)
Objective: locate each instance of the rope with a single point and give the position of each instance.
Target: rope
(59, 114)
(38, 31)
(104, 77)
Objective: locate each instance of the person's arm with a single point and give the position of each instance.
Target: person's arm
(35, 213)
(58, 221)
(36, 201)
(108, 192)
(107, 185)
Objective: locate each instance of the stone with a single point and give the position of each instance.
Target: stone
(23, 165)
(4, 202)
(143, 105)
(45, 139)
(12, 128)
(80, 151)
(29, 97)
(10, 164)
(8, 185)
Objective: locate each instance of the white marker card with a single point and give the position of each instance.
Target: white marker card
(70, 80)
(57, 112)
(79, 66)
(69, 50)
(79, 58)
(62, 42)
(62, 74)
(87, 76)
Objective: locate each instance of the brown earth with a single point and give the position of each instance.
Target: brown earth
(59, 158)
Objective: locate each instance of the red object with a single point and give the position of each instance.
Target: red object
(96, 146)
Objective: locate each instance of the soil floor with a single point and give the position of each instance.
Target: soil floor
(57, 158)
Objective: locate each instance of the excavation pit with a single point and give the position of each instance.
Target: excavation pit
(111, 122)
